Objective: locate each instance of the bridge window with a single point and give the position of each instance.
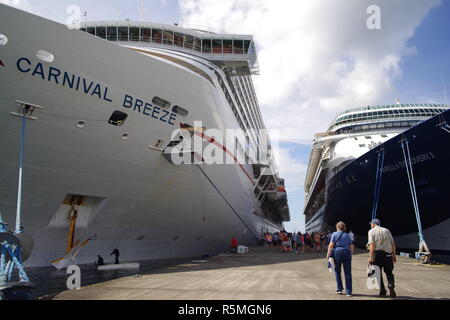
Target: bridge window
(146, 34)
(188, 41)
(123, 33)
(238, 46)
(198, 44)
(112, 33)
(160, 102)
(227, 46)
(134, 34)
(168, 37)
(91, 30)
(178, 39)
(217, 46)
(101, 32)
(157, 35)
(246, 46)
(206, 45)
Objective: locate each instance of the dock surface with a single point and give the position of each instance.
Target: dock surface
(265, 274)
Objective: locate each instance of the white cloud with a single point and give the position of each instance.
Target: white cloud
(316, 57)
(20, 4)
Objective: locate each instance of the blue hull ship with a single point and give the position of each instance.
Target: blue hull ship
(377, 182)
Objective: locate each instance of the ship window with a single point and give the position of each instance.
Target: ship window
(238, 46)
(168, 37)
(157, 35)
(368, 137)
(397, 124)
(217, 45)
(91, 30)
(188, 41)
(179, 110)
(134, 34)
(362, 145)
(123, 33)
(118, 118)
(112, 33)
(384, 136)
(227, 46)
(178, 39)
(246, 46)
(160, 102)
(101, 32)
(206, 45)
(83, 29)
(198, 44)
(146, 34)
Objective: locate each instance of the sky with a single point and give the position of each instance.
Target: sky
(316, 58)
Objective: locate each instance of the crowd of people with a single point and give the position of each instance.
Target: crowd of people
(299, 242)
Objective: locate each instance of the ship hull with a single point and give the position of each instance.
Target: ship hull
(135, 200)
(350, 193)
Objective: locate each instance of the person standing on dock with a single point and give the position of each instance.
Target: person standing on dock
(341, 250)
(117, 254)
(382, 253)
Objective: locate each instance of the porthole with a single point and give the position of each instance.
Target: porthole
(3, 39)
(125, 136)
(81, 124)
(118, 118)
(45, 56)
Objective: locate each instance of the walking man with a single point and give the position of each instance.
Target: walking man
(382, 254)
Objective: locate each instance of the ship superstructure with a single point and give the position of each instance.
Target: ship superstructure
(102, 105)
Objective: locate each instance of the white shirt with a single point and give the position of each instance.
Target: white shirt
(382, 238)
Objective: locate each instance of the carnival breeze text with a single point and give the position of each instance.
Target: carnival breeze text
(93, 89)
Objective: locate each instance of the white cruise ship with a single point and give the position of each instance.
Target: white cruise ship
(101, 106)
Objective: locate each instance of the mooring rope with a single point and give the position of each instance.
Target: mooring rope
(378, 176)
(410, 173)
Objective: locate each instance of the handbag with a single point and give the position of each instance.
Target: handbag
(373, 277)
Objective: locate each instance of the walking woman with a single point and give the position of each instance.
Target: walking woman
(341, 249)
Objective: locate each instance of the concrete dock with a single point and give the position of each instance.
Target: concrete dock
(265, 274)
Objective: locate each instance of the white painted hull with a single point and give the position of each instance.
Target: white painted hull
(148, 207)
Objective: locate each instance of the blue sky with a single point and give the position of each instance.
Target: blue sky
(422, 71)
(317, 58)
